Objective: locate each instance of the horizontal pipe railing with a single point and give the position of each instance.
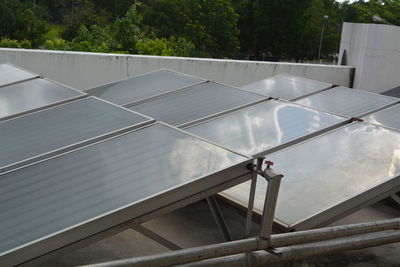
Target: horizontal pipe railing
(253, 244)
(299, 252)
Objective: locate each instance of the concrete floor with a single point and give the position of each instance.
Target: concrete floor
(194, 226)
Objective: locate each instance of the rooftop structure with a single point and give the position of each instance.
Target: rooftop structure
(140, 148)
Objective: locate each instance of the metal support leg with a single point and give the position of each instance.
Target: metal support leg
(250, 205)
(396, 198)
(219, 219)
(156, 237)
(274, 182)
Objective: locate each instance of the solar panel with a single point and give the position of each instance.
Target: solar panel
(198, 102)
(331, 176)
(32, 95)
(145, 86)
(59, 201)
(388, 117)
(10, 74)
(347, 102)
(266, 126)
(41, 134)
(286, 86)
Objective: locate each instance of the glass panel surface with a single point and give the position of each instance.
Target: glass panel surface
(389, 117)
(195, 102)
(33, 94)
(10, 74)
(144, 86)
(47, 198)
(51, 129)
(257, 128)
(286, 86)
(327, 171)
(346, 101)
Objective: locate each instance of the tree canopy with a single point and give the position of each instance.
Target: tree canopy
(283, 29)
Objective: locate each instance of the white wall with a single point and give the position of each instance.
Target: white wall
(86, 70)
(374, 51)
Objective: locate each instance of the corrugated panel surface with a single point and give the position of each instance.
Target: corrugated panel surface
(50, 197)
(257, 128)
(196, 102)
(347, 102)
(144, 86)
(286, 86)
(331, 174)
(389, 117)
(11, 74)
(51, 129)
(33, 94)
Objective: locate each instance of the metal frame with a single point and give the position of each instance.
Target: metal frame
(143, 100)
(218, 114)
(381, 191)
(358, 116)
(74, 146)
(345, 122)
(218, 217)
(67, 100)
(134, 221)
(292, 99)
(24, 80)
(211, 116)
(155, 97)
(235, 174)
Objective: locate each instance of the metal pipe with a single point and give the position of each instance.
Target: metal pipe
(190, 254)
(250, 206)
(313, 235)
(299, 252)
(267, 220)
(252, 244)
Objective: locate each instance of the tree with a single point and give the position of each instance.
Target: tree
(211, 25)
(127, 29)
(83, 12)
(19, 21)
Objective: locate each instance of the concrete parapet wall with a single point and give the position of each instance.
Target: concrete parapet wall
(85, 70)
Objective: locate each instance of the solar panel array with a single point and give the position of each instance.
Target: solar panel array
(348, 102)
(10, 74)
(389, 117)
(72, 166)
(145, 86)
(196, 103)
(35, 94)
(287, 86)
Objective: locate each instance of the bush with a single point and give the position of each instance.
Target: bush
(5, 42)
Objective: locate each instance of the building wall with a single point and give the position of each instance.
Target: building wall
(85, 70)
(374, 51)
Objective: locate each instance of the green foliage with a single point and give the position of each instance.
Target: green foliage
(19, 21)
(127, 30)
(289, 29)
(5, 42)
(211, 25)
(83, 12)
(165, 47)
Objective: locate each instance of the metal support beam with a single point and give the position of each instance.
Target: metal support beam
(218, 218)
(396, 198)
(156, 237)
(249, 217)
(274, 182)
